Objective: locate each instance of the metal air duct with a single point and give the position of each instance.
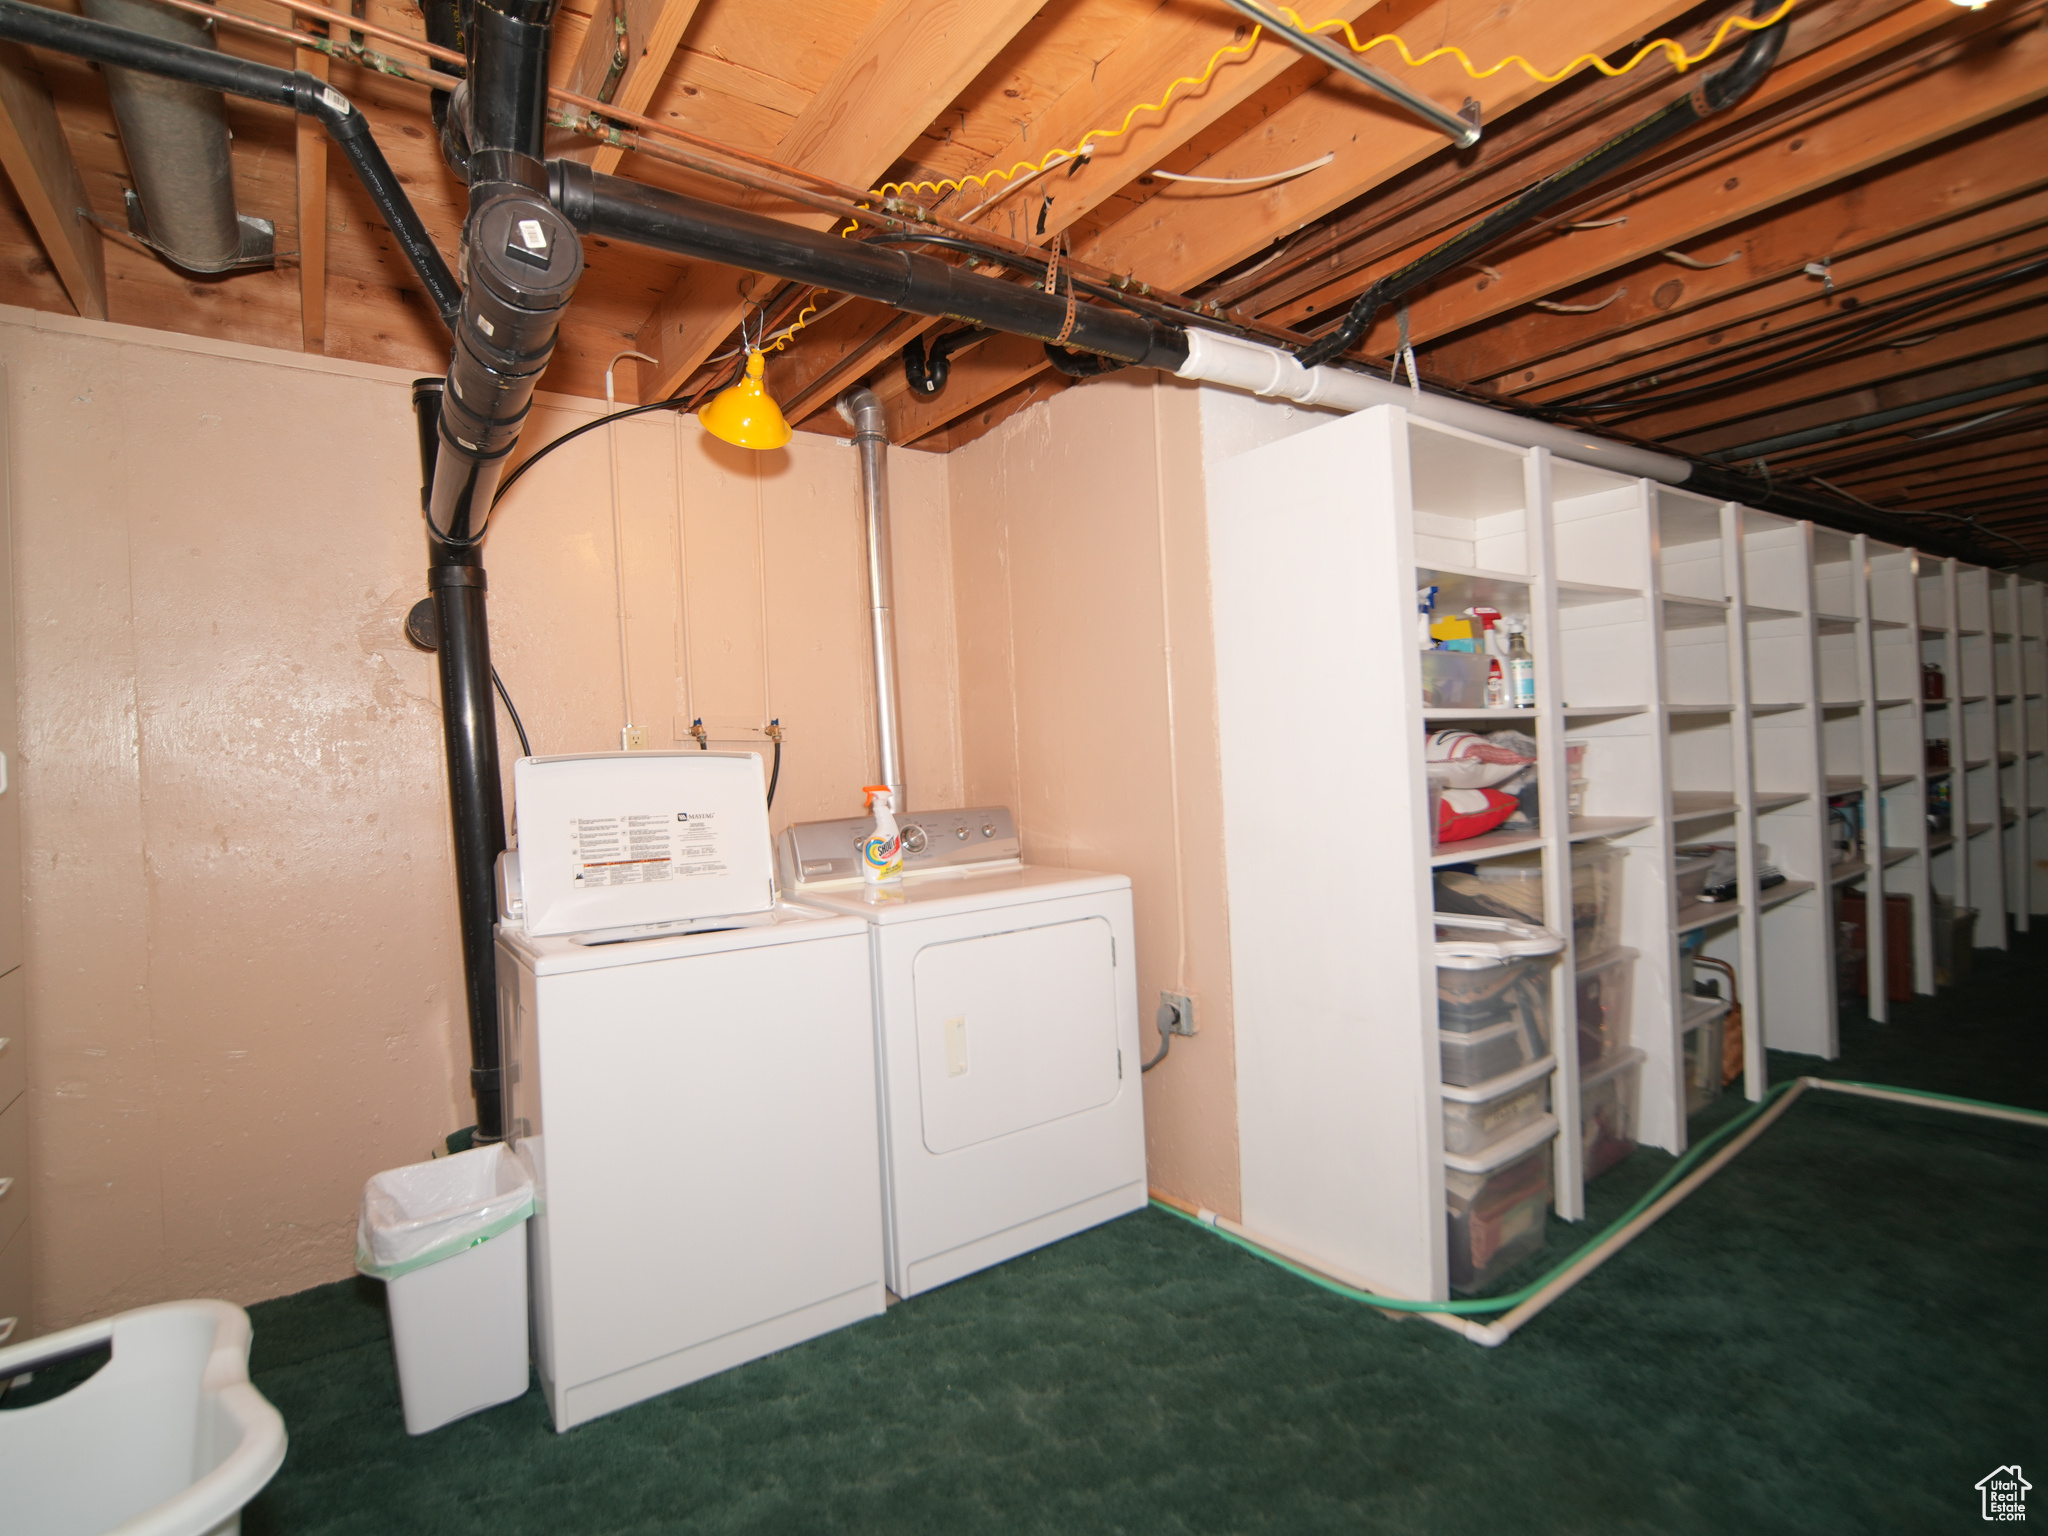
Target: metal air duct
(176, 135)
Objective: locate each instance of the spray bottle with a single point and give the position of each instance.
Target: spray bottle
(1425, 607)
(881, 855)
(1490, 642)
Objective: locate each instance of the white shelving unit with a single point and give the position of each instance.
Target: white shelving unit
(1728, 670)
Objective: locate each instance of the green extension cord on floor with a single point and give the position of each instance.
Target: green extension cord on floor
(1481, 1306)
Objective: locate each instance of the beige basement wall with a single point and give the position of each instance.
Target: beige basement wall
(1087, 670)
(244, 991)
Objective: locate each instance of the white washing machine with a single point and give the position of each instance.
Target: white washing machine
(693, 1092)
(1006, 1016)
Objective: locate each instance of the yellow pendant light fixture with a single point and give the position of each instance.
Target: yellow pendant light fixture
(746, 415)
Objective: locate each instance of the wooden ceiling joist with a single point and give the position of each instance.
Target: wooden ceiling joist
(37, 159)
(914, 58)
(1862, 230)
(311, 165)
(623, 55)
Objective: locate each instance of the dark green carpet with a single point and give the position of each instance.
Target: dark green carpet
(1840, 1333)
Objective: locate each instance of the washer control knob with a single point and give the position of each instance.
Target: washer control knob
(961, 833)
(913, 839)
(987, 830)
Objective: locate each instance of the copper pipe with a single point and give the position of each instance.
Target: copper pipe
(311, 43)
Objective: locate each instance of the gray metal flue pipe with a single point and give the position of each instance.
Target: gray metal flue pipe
(176, 137)
(863, 408)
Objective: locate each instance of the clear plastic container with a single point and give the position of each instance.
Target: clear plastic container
(1497, 1215)
(1470, 1059)
(1454, 679)
(1512, 887)
(1608, 1100)
(1691, 873)
(1488, 1113)
(1703, 1045)
(1490, 971)
(1606, 1001)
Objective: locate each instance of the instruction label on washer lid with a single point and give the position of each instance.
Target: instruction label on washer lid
(644, 850)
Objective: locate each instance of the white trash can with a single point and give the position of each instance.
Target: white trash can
(448, 1238)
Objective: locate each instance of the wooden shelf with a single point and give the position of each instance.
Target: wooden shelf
(1937, 841)
(1773, 709)
(1758, 614)
(1696, 804)
(1695, 1011)
(1696, 710)
(1702, 914)
(1489, 845)
(1893, 703)
(1898, 855)
(1834, 623)
(1584, 827)
(1694, 612)
(1778, 895)
(1979, 828)
(1844, 783)
(1772, 800)
(1841, 706)
(1585, 594)
(1848, 869)
(1894, 780)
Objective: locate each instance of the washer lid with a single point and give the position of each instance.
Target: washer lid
(786, 923)
(945, 893)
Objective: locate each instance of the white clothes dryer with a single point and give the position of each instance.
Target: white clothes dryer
(1006, 1018)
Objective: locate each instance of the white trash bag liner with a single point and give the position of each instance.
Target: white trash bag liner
(416, 1216)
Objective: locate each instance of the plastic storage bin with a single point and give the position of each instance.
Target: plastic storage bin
(1703, 1046)
(1480, 1117)
(1497, 1208)
(1606, 1003)
(166, 1437)
(1454, 679)
(1608, 1100)
(1492, 996)
(1512, 887)
(1690, 872)
(448, 1238)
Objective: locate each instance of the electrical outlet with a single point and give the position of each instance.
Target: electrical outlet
(633, 738)
(1177, 1010)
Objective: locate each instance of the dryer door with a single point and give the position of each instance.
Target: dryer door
(1015, 1029)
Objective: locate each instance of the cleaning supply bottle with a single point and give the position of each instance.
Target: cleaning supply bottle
(1425, 606)
(1521, 667)
(1488, 620)
(881, 855)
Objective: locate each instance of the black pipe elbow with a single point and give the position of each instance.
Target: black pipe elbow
(925, 373)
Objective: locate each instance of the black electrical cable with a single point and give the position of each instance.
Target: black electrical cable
(672, 403)
(1716, 93)
(525, 746)
(775, 773)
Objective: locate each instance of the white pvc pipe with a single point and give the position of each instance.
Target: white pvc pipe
(1262, 370)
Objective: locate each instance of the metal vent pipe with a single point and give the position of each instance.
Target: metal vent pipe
(177, 141)
(863, 408)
